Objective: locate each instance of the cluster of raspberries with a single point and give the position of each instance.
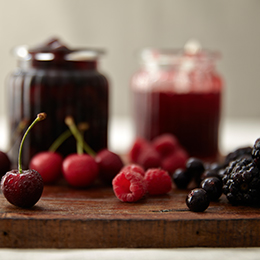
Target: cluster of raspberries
(151, 169)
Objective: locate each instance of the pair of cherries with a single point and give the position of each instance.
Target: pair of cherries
(81, 169)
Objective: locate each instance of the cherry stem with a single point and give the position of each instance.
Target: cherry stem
(65, 135)
(57, 143)
(39, 117)
(80, 141)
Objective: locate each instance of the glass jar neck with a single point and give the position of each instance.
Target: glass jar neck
(183, 64)
(58, 64)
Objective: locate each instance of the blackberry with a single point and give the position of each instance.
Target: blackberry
(256, 152)
(241, 182)
(243, 152)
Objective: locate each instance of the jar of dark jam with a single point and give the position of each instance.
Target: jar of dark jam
(179, 92)
(61, 82)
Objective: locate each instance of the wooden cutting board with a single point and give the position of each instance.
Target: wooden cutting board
(95, 218)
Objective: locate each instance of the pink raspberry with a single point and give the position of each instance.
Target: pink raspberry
(134, 167)
(129, 186)
(158, 181)
(174, 161)
(139, 145)
(149, 158)
(165, 144)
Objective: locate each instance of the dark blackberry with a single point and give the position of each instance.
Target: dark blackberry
(197, 200)
(256, 152)
(241, 182)
(243, 152)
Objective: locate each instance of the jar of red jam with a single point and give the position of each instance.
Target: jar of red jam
(179, 92)
(61, 82)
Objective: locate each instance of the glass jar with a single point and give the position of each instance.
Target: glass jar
(60, 82)
(179, 92)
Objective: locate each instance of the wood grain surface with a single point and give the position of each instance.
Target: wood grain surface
(94, 218)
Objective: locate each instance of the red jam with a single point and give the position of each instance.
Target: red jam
(60, 82)
(179, 93)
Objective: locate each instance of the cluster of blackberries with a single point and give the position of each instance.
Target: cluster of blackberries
(241, 180)
(238, 177)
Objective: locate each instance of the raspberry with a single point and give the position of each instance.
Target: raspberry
(165, 144)
(138, 146)
(129, 186)
(158, 181)
(174, 161)
(149, 158)
(134, 167)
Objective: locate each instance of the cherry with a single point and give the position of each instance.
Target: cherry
(49, 163)
(23, 188)
(5, 163)
(109, 165)
(80, 170)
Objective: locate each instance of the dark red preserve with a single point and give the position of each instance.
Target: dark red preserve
(179, 92)
(61, 82)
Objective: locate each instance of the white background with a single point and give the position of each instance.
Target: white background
(123, 27)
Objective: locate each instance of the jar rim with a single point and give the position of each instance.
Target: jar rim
(23, 52)
(164, 56)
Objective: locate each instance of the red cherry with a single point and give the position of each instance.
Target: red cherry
(5, 163)
(48, 164)
(22, 189)
(80, 170)
(109, 165)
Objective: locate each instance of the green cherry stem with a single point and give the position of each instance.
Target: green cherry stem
(80, 141)
(56, 144)
(39, 117)
(65, 135)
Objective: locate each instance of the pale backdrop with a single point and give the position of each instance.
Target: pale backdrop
(123, 27)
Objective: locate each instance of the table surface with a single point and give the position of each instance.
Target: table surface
(234, 133)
